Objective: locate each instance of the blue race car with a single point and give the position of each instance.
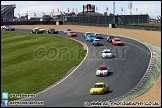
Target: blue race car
(90, 37)
(87, 33)
(66, 31)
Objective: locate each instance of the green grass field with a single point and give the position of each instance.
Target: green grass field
(32, 62)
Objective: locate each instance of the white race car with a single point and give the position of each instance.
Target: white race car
(98, 35)
(102, 70)
(97, 42)
(107, 53)
(3, 27)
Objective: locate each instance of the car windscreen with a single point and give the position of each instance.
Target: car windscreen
(36, 29)
(8, 27)
(91, 36)
(98, 86)
(102, 68)
(53, 29)
(97, 40)
(68, 29)
(107, 52)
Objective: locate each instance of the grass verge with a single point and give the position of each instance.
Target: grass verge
(32, 62)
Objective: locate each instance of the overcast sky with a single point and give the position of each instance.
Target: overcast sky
(153, 8)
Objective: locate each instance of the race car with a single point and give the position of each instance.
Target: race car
(41, 29)
(8, 28)
(71, 33)
(36, 31)
(90, 37)
(99, 88)
(107, 53)
(102, 70)
(98, 35)
(109, 39)
(52, 31)
(117, 41)
(66, 31)
(3, 27)
(97, 42)
(87, 33)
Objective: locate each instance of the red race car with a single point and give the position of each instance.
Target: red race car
(71, 33)
(117, 41)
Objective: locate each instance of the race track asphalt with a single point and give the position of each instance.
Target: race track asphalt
(126, 70)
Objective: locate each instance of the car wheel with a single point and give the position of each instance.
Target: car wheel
(31, 32)
(36, 32)
(107, 74)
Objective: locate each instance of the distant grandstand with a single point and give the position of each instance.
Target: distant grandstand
(7, 12)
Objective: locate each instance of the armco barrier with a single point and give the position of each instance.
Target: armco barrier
(142, 81)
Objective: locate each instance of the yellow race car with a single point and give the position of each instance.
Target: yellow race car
(99, 88)
(41, 29)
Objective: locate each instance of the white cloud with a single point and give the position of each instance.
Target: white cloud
(47, 9)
